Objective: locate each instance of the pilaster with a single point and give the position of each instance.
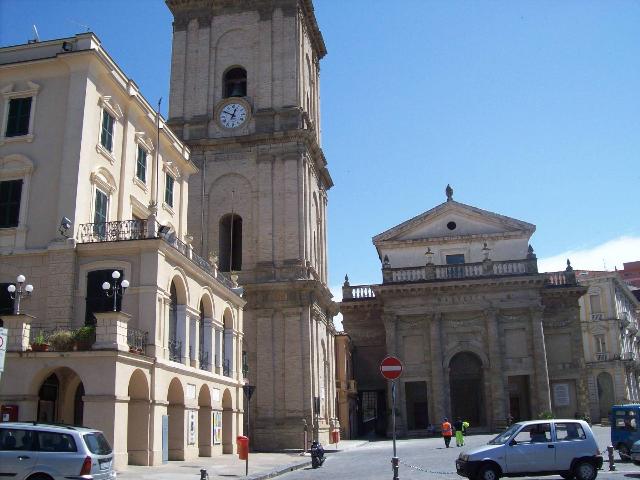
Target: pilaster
(496, 371)
(542, 390)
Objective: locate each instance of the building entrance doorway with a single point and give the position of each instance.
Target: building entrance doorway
(605, 394)
(519, 407)
(417, 405)
(466, 385)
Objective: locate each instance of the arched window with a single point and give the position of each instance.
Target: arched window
(230, 243)
(235, 83)
(173, 312)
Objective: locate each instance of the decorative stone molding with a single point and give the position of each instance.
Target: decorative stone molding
(8, 94)
(106, 102)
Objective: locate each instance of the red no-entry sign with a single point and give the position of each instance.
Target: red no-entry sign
(391, 367)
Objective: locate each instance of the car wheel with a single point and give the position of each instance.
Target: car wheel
(623, 452)
(488, 472)
(585, 471)
(39, 476)
(568, 475)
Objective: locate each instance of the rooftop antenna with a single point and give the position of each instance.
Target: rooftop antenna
(37, 37)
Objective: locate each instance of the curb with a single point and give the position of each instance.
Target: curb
(280, 471)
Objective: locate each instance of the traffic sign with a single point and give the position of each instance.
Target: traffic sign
(3, 347)
(391, 367)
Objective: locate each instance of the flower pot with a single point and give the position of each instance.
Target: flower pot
(39, 347)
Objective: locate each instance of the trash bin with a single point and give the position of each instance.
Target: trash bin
(243, 447)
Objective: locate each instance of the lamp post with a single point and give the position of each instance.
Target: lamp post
(248, 392)
(116, 288)
(19, 292)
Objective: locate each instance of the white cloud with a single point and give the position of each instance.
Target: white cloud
(605, 256)
(337, 297)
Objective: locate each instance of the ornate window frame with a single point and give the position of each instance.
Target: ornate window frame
(8, 93)
(142, 140)
(107, 104)
(17, 167)
(174, 173)
(101, 180)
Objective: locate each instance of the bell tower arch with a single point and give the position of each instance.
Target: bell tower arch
(244, 95)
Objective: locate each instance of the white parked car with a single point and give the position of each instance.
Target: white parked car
(538, 447)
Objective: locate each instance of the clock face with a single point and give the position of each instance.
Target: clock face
(233, 115)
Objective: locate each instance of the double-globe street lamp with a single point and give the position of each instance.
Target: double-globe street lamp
(19, 292)
(115, 288)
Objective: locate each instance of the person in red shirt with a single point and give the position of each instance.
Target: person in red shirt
(447, 431)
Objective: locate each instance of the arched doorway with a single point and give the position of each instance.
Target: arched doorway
(175, 410)
(60, 397)
(606, 397)
(205, 427)
(227, 422)
(466, 384)
(138, 419)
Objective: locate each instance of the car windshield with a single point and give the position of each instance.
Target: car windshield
(506, 435)
(97, 444)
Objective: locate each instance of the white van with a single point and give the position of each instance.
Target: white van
(539, 447)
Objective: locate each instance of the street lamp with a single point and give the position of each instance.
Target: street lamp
(114, 289)
(248, 392)
(19, 292)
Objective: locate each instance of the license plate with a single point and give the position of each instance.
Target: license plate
(105, 465)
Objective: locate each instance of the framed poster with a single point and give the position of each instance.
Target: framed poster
(217, 427)
(191, 424)
(561, 394)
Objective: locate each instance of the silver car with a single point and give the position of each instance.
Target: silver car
(37, 451)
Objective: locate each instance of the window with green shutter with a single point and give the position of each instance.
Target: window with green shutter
(18, 117)
(10, 193)
(168, 190)
(141, 165)
(106, 136)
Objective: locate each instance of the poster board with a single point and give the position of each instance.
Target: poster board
(217, 427)
(191, 424)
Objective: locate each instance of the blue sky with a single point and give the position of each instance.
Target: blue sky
(528, 108)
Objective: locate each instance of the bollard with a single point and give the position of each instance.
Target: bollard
(612, 466)
(203, 474)
(395, 463)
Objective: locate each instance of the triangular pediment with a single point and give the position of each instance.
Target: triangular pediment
(455, 219)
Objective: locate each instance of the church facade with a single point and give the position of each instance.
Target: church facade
(245, 98)
(482, 334)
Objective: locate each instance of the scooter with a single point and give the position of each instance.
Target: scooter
(317, 454)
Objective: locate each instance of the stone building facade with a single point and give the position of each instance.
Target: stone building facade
(346, 386)
(245, 98)
(481, 333)
(609, 319)
(80, 143)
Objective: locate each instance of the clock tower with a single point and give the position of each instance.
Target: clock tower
(245, 98)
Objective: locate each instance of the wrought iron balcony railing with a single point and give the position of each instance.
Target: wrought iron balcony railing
(136, 339)
(203, 360)
(113, 231)
(175, 350)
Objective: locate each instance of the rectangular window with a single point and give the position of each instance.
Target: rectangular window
(106, 136)
(601, 346)
(13, 439)
(101, 206)
(456, 259)
(10, 193)
(569, 431)
(141, 165)
(168, 190)
(6, 303)
(594, 303)
(56, 442)
(18, 117)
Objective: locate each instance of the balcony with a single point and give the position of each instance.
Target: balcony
(137, 340)
(175, 350)
(127, 230)
(203, 359)
(602, 356)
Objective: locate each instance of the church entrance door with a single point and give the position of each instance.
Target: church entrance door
(417, 406)
(466, 384)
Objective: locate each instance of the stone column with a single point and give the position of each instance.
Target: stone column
(218, 351)
(437, 374)
(194, 339)
(111, 331)
(542, 389)
(499, 396)
(19, 329)
(109, 413)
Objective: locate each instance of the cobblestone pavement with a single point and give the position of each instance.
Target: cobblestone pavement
(425, 459)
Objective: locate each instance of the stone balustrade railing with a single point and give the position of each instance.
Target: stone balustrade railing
(460, 271)
(357, 292)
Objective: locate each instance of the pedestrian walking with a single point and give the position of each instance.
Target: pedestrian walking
(458, 426)
(447, 431)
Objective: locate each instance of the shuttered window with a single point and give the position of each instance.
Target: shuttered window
(10, 193)
(19, 116)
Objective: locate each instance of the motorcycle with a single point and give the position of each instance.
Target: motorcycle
(317, 454)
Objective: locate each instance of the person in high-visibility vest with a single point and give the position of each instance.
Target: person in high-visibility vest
(459, 427)
(447, 431)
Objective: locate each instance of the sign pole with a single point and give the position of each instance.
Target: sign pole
(395, 460)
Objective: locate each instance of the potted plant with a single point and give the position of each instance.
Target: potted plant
(62, 340)
(39, 343)
(85, 337)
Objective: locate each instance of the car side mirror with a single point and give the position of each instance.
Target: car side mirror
(512, 443)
